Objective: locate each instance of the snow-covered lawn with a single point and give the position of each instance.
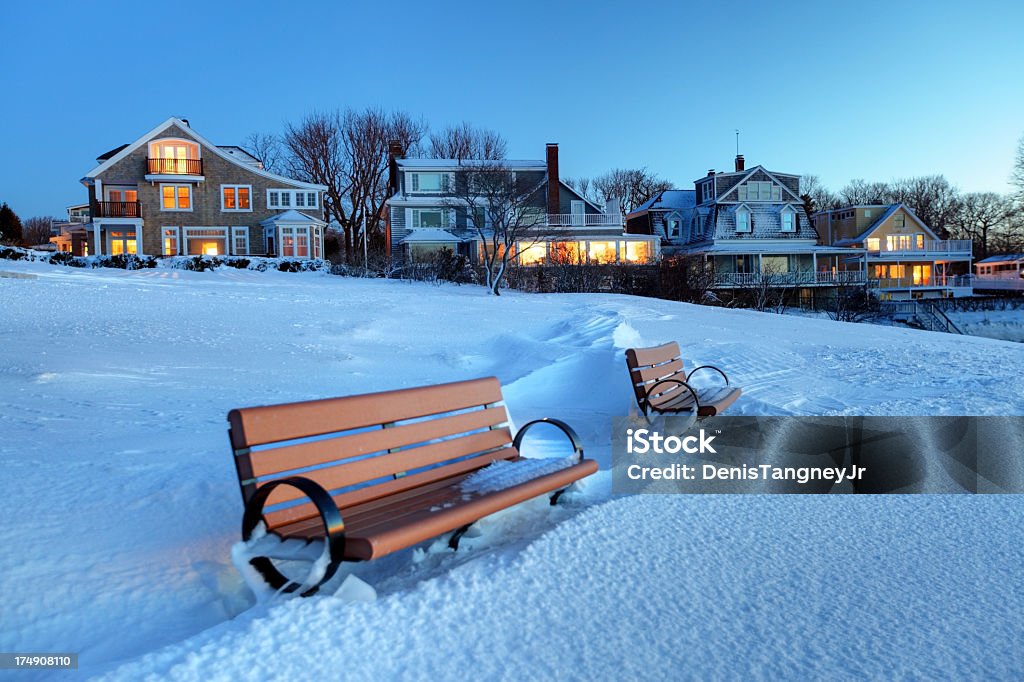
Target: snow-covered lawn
(122, 500)
(992, 324)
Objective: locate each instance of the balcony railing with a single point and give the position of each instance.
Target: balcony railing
(999, 282)
(175, 166)
(118, 209)
(749, 279)
(937, 281)
(584, 220)
(929, 247)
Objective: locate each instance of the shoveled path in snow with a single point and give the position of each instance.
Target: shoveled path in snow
(785, 587)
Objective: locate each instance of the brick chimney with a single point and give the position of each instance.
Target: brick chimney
(739, 162)
(711, 171)
(553, 183)
(394, 152)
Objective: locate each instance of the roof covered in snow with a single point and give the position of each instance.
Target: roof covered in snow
(530, 164)
(292, 216)
(430, 235)
(669, 199)
(1003, 258)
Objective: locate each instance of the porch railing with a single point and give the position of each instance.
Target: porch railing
(118, 209)
(747, 279)
(940, 247)
(584, 220)
(175, 166)
(936, 281)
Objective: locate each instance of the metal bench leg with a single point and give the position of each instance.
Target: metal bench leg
(558, 494)
(453, 541)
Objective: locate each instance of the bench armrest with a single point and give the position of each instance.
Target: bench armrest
(334, 530)
(670, 380)
(565, 428)
(697, 369)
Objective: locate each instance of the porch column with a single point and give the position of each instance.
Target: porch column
(138, 240)
(96, 238)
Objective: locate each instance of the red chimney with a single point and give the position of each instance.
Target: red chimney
(739, 162)
(553, 184)
(395, 151)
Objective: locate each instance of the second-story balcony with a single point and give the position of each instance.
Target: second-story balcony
(118, 209)
(921, 248)
(787, 279)
(584, 220)
(193, 167)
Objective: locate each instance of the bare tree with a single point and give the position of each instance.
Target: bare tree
(36, 230)
(932, 198)
(586, 188)
(1017, 176)
(506, 212)
(464, 142)
(980, 215)
(687, 278)
(815, 195)
(631, 186)
(861, 192)
(348, 153)
(268, 148)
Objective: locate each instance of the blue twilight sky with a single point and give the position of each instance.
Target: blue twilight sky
(870, 90)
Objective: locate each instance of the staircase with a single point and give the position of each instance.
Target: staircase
(921, 313)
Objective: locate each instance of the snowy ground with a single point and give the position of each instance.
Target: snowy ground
(992, 324)
(123, 503)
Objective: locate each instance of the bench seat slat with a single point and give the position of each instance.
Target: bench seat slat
(372, 468)
(420, 523)
(654, 355)
(353, 500)
(291, 457)
(275, 423)
(651, 374)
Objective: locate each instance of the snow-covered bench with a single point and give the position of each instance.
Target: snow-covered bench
(662, 385)
(372, 474)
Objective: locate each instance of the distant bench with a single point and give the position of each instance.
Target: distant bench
(369, 475)
(662, 385)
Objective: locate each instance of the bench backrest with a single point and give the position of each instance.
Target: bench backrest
(650, 365)
(364, 447)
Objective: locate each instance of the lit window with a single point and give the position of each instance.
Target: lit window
(171, 241)
(176, 197)
(206, 241)
(874, 244)
(236, 197)
(122, 242)
(920, 241)
(638, 252)
(531, 254)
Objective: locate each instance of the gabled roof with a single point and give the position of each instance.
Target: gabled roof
(572, 190)
(1004, 258)
(885, 216)
(206, 144)
(106, 155)
(667, 200)
(747, 173)
(292, 216)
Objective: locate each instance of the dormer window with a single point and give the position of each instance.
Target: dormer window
(743, 219)
(427, 183)
(788, 219)
(174, 157)
(759, 191)
(674, 226)
(707, 191)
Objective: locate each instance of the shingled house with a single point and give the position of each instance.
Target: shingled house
(172, 192)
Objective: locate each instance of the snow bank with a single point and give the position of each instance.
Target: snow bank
(124, 503)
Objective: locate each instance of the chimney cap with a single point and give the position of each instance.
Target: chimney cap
(711, 171)
(552, 144)
(185, 121)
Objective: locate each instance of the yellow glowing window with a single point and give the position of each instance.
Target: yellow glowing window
(637, 252)
(874, 243)
(920, 241)
(235, 197)
(896, 271)
(531, 254)
(602, 252)
(121, 243)
(210, 248)
(176, 197)
(879, 271)
(566, 252)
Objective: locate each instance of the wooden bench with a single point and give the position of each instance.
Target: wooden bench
(372, 474)
(662, 385)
